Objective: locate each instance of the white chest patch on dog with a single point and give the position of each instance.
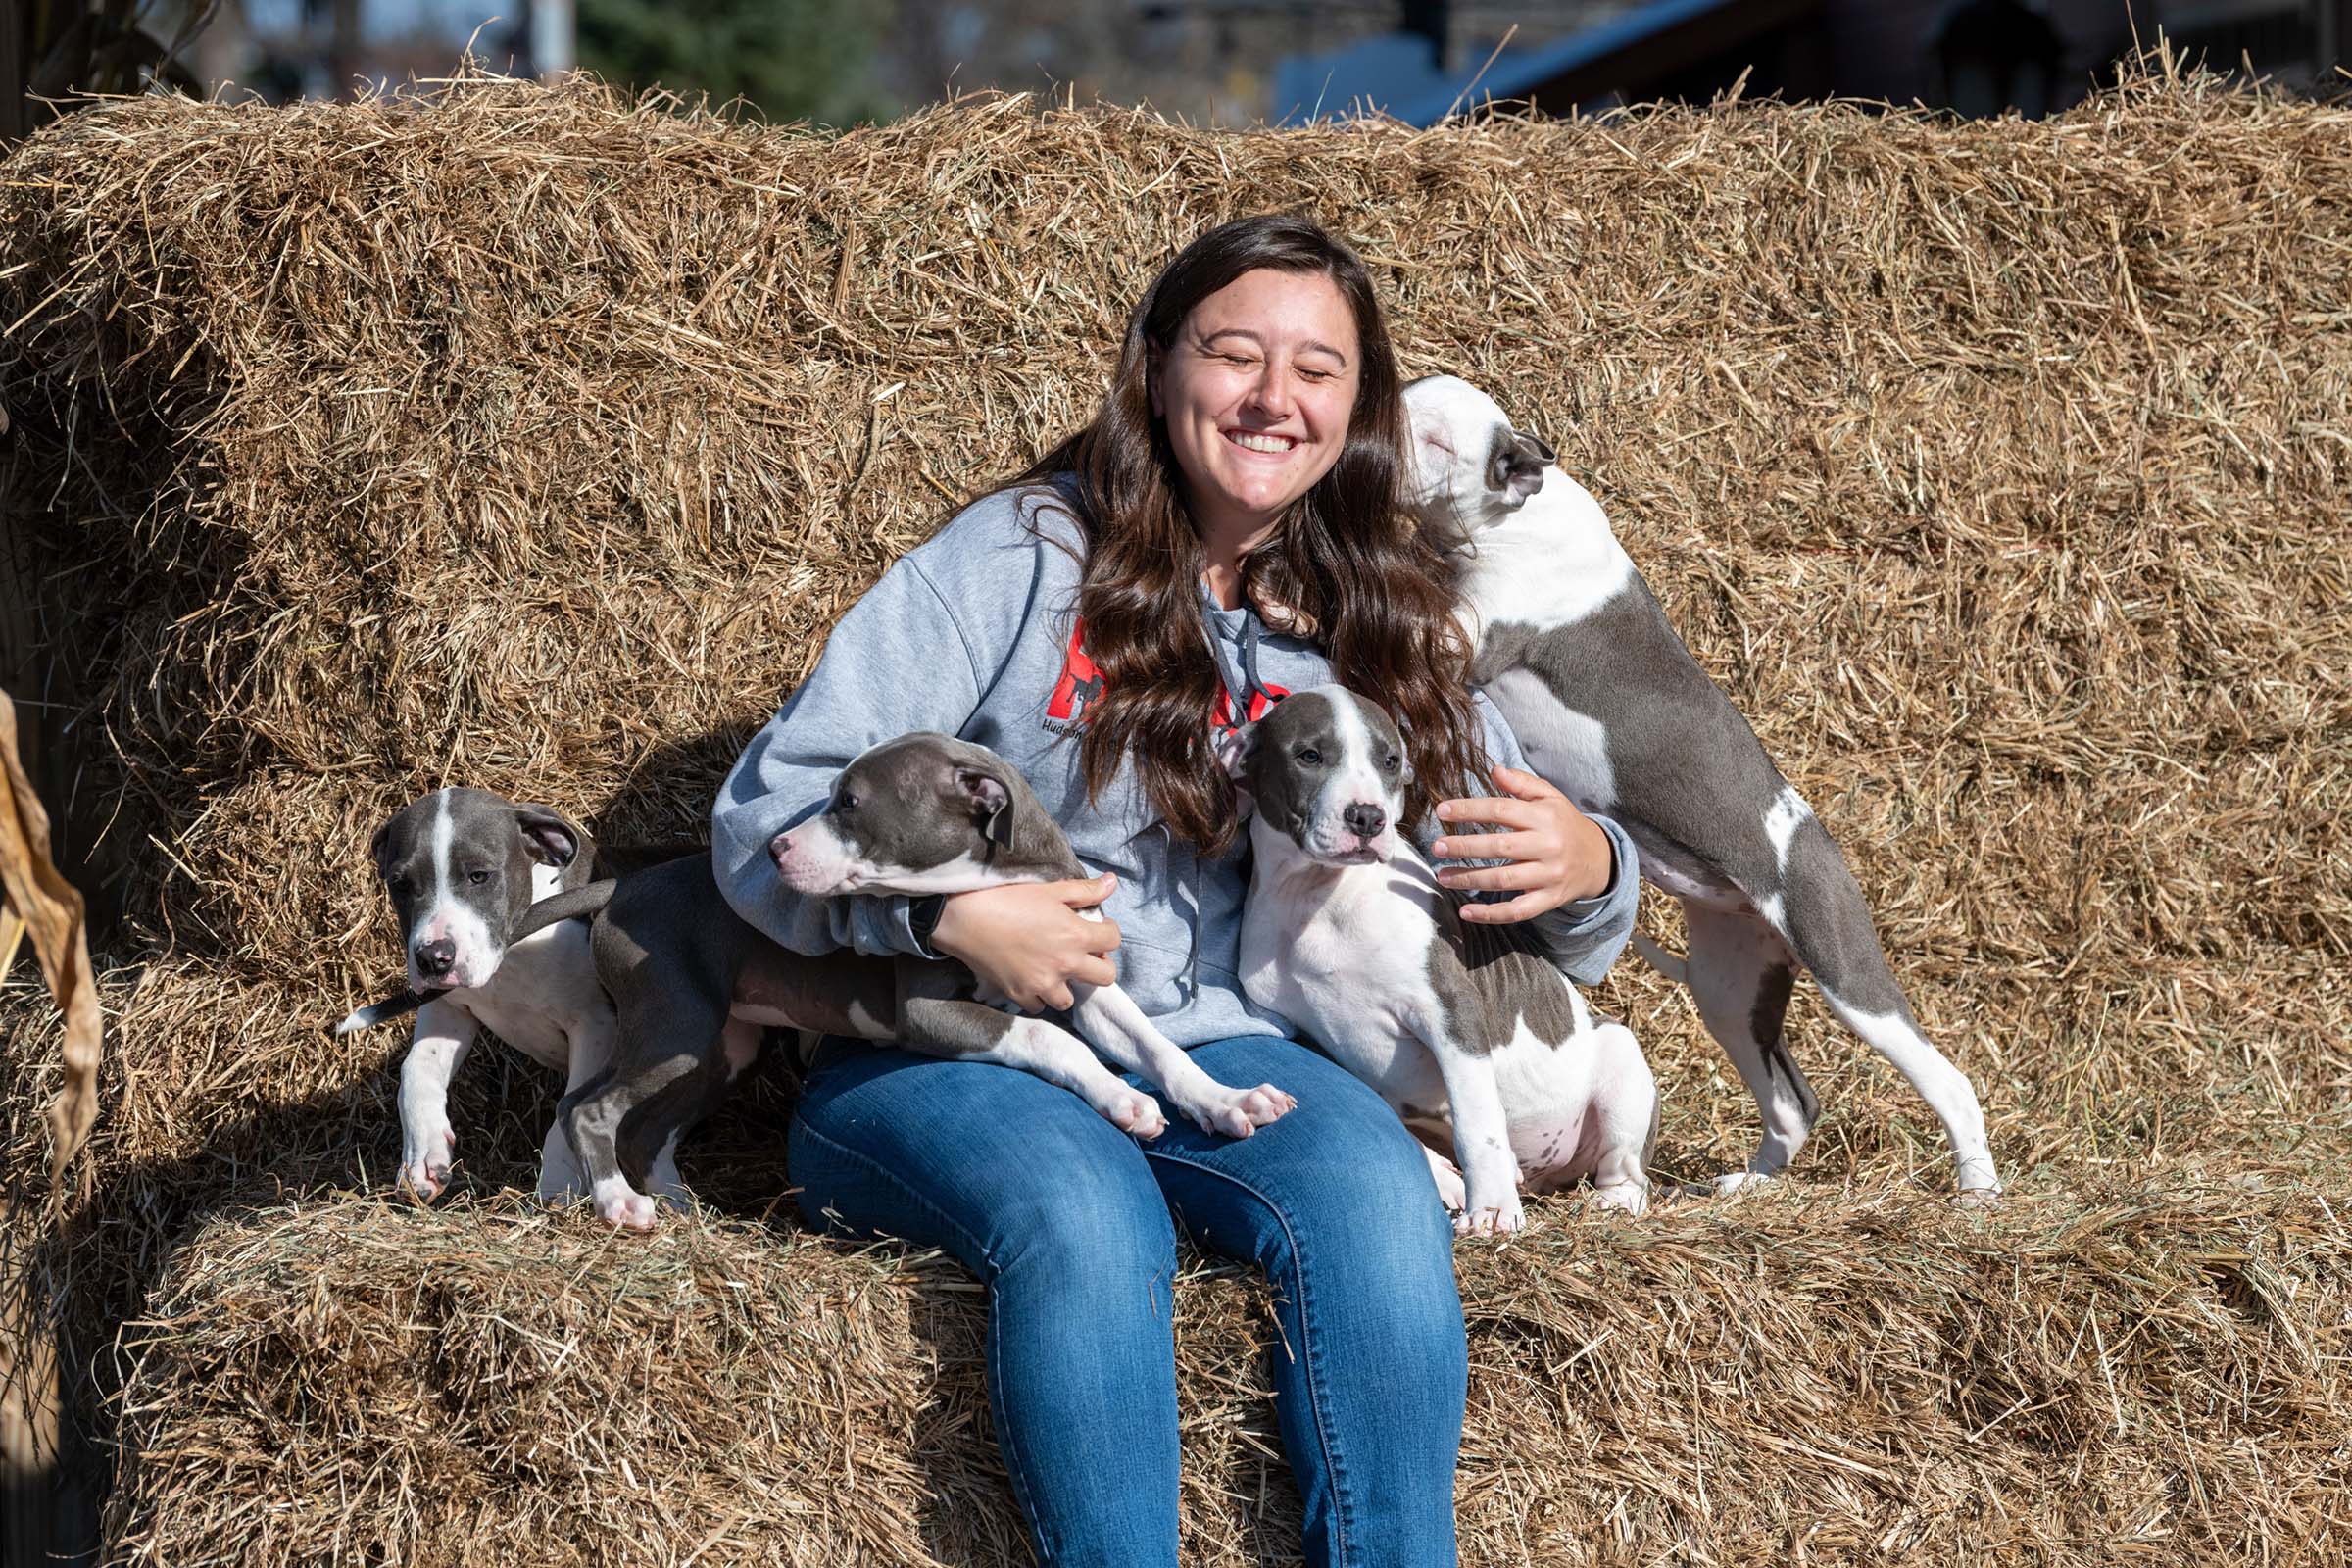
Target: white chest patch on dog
(544, 994)
(1553, 563)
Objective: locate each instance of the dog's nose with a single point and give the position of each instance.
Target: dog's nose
(779, 847)
(436, 958)
(1365, 820)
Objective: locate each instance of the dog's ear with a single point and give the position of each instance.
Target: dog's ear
(379, 850)
(1534, 445)
(1515, 465)
(1234, 747)
(992, 802)
(550, 837)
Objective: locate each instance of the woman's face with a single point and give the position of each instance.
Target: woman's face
(1256, 392)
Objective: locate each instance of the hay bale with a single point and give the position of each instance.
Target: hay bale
(2010, 451)
(2151, 1369)
(522, 438)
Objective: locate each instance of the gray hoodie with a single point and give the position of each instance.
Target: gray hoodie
(974, 634)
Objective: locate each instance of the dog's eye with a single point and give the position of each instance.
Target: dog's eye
(399, 886)
(1391, 762)
(477, 876)
(846, 801)
(1310, 757)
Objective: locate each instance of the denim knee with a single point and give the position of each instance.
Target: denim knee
(1088, 1239)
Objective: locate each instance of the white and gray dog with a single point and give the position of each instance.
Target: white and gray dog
(1614, 711)
(462, 867)
(1465, 1029)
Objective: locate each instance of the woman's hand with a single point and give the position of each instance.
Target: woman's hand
(1558, 853)
(1027, 940)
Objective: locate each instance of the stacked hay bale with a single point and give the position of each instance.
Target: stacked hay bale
(524, 438)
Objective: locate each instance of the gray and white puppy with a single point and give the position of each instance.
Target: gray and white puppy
(1466, 1029)
(1614, 711)
(462, 866)
(694, 983)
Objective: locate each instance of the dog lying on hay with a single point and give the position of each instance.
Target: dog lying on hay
(1617, 716)
(678, 987)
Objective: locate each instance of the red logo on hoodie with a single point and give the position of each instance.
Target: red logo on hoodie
(1081, 683)
(1261, 703)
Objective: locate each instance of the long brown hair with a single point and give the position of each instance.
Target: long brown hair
(1344, 559)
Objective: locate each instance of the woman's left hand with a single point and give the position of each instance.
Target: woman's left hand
(1557, 852)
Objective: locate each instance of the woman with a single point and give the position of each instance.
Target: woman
(1089, 622)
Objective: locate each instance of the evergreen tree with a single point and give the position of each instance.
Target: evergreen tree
(789, 59)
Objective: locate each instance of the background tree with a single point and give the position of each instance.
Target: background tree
(789, 59)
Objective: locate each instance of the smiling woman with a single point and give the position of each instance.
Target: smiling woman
(1250, 449)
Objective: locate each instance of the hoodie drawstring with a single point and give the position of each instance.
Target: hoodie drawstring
(1241, 696)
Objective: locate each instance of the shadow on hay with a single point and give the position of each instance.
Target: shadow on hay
(106, 688)
(661, 805)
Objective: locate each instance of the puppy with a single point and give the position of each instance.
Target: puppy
(694, 983)
(462, 866)
(1466, 1030)
(1614, 711)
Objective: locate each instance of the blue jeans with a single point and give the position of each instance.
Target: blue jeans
(1071, 1224)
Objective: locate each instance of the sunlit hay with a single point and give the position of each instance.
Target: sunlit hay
(2134, 1368)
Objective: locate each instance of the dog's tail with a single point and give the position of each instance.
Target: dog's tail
(1658, 959)
(575, 904)
(384, 1012)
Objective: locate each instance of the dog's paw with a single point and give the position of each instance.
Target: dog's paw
(1498, 1219)
(1238, 1112)
(1626, 1198)
(425, 1169)
(1266, 1104)
(1137, 1114)
(1979, 1186)
(1743, 1181)
(620, 1204)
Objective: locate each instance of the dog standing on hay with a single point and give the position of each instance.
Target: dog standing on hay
(1616, 715)
(464, 867)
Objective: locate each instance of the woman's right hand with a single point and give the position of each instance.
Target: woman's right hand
(1027, 940)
